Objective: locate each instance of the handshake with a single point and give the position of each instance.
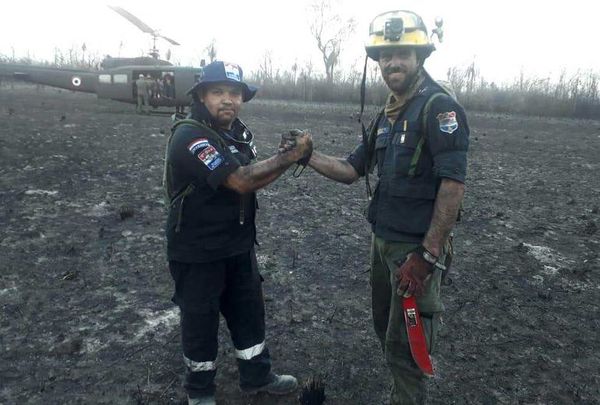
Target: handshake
(297, 144)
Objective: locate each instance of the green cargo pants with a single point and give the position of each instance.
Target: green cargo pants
(408, 380)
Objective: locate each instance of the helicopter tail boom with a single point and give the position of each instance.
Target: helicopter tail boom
(70, 79)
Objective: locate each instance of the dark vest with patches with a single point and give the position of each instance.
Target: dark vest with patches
(402, 205)
(203, 224)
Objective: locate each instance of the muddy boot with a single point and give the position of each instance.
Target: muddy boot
(281, 385)
(205, 400)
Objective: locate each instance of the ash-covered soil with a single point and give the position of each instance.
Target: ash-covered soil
(85, 293)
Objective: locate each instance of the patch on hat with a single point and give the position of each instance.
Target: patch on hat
(232, 72)
(448, 123)
(210, 157)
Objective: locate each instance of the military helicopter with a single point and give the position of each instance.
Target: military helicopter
(116, 78)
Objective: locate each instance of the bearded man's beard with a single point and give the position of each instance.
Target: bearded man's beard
(400, 88)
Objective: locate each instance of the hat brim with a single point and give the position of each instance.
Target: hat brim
(248, 91)
(373, 51)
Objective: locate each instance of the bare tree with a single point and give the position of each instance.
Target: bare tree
(456, 78)
(472, 73)
(59, 58)
(306, 76)
(373, 76)
(295, 72)
(211, 50)
(329, 30)
(266, 68)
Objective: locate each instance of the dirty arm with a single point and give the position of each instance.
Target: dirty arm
(334, 168)
(445, 211)
(246, 179)
(250, 178)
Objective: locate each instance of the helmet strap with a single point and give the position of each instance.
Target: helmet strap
(363, 87)
(365, 138)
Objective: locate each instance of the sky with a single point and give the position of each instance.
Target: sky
(503, 38)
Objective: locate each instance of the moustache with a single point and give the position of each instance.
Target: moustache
(395, 69)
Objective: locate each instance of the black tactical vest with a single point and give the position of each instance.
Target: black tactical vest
(402, 205)
(205, 224)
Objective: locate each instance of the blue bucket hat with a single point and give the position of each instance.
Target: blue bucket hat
(223, 72)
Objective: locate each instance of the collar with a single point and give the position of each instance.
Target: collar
(397, 102)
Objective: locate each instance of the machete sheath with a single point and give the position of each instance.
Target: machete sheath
(416, 335)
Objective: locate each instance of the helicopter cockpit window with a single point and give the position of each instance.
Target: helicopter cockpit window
(105, 79)
(120, 78)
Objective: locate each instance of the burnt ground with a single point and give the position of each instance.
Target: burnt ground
(84, 288)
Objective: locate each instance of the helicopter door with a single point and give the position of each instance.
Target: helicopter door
(168, 85)
(165, 89)
(116, 86)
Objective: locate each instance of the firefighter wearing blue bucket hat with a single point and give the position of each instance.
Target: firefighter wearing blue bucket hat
(210, 178)
(223, 72)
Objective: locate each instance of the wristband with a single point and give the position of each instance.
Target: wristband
(426, 255)
(429, 258)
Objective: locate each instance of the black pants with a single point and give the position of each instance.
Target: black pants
(231, 286)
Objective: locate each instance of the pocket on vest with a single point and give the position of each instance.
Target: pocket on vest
(402, 149)
(407, 189)
(406, 208)
(380, 147)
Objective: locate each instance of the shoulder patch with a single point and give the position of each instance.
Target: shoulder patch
(197, 145)
(447, 121)
(210, 157)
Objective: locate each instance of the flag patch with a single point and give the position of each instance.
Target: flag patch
(448, 123)
(381, 130)
(232, 71)
(197, 145)
(210, 157)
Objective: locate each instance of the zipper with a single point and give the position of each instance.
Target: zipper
(242, 209)
(188, 190)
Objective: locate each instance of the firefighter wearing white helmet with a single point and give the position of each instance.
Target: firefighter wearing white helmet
(418, 145)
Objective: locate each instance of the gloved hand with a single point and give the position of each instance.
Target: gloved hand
(412, 275)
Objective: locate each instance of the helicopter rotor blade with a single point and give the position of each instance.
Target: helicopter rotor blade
(133, 19)
(169, 40)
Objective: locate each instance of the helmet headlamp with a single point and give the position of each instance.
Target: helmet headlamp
(393, 29)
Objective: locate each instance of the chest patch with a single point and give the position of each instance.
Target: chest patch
(447, 121)
(233, 149)
(210, 157)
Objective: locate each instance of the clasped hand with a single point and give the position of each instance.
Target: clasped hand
(297, 144)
